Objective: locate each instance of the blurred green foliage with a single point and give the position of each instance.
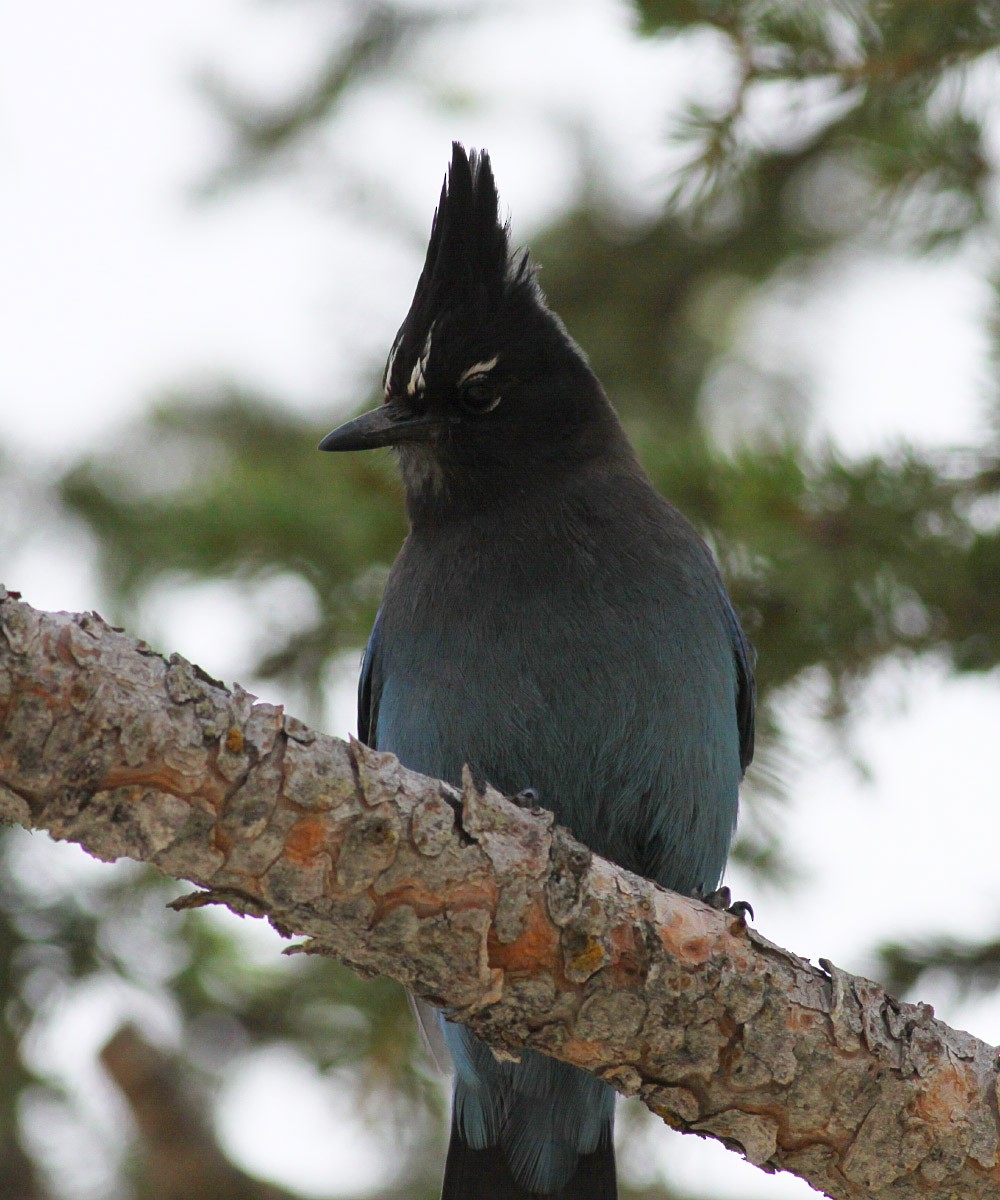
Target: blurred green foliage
(849, 127)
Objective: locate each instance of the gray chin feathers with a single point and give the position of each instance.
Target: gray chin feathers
(421, 468)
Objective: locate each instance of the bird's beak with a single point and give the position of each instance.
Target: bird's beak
(387, 425)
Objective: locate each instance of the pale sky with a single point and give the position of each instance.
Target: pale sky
(115, 285)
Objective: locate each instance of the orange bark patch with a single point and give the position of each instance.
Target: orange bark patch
(305, 840)
(688, 937)
(426, 902)
(629, 951)
(801, 1019)
(583, 1053)
(696, 950)
(160, 778)
(947, 1093)
(234, 741)
(532, 951)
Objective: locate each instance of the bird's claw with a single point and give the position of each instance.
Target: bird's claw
(722, 901)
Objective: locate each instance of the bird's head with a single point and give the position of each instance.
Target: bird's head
(483, 384)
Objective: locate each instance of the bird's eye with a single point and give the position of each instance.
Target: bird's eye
(478, 395)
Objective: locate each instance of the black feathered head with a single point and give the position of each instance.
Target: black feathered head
(469, 282)
(481, 374)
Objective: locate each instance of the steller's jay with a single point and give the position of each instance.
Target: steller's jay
(555, 624)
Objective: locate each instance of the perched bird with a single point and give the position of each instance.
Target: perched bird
(555, 624)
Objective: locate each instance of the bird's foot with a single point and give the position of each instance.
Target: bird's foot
(722, 900)
(528, 798)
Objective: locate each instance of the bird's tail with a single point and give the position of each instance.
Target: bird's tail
(484, 1174)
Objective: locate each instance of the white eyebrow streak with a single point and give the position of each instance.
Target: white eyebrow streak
(388, 366)
(479, 368)
(416, 383)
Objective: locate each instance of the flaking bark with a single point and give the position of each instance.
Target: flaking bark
(486, 908)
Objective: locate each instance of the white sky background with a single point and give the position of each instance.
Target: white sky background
(115, 286)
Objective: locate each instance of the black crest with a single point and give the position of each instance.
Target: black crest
(469, 247)
(468, 272)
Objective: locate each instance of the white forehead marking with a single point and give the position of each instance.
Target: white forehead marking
(479, 368)
(416, 383)
(388, 366)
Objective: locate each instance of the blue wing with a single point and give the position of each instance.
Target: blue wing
(369, 695)
(370, 686)
(746, 685)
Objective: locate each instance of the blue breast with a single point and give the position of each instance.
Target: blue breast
(605, 674)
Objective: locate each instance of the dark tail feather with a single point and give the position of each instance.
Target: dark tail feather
(484, 1175)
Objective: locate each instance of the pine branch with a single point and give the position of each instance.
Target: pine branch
(487, 909)
(181, 1159)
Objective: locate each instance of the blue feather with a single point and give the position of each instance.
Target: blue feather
(555, 624)
(613, 690)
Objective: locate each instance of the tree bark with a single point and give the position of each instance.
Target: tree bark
(486, 908)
